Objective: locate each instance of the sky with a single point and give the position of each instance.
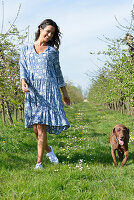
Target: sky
(83, 24)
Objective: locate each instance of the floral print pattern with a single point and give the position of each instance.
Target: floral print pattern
(43, 104)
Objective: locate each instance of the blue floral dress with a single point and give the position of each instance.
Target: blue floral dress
(43, 104)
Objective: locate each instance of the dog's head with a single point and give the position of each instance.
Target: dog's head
(122, 133)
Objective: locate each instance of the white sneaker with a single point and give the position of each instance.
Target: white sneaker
(52, 157)
(38, 166)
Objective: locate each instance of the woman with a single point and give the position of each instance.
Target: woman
(41, 80)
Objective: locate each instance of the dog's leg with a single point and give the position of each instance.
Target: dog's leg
(125, 159)
(120, 153)
(114, 157)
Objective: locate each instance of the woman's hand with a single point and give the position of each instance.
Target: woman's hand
(65, 96)
(24, 85)
(66, 100)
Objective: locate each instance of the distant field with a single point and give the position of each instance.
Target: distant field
(86, 169)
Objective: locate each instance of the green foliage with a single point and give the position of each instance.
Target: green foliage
(75, 93)
(114, 84)
(9, 68)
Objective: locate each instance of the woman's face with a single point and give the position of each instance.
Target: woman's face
(47, 33)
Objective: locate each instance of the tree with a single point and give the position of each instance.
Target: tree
(10, 92)
(114, 86)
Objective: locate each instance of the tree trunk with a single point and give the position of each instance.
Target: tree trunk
(128, 106)
(15, 113)
(3, 112)
(23, 111)
(9, 114)
(118, 106)
(115, 106)
(132, 111)
(20, 113)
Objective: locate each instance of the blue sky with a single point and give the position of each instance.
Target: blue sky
(82, 22)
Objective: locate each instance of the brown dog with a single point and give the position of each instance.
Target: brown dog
(119, 139)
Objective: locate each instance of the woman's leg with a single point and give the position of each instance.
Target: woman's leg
(42, 141)
(35, 130)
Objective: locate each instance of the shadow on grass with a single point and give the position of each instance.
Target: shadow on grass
(14, 162)
(77, 134)
(98, 156)
(102, 156)
(18, 158)
(96, 134)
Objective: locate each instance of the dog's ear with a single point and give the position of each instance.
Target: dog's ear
(113, 130)
(127, 135)
(128, 131)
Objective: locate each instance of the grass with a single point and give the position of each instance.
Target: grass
(86, 169)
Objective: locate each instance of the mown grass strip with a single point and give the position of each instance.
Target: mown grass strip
(86, 169)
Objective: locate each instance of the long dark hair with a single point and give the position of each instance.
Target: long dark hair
(55, 41)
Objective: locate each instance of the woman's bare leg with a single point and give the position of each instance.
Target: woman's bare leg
(42, 141)
(35, 130)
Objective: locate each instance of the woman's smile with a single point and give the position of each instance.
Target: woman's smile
(47, 33)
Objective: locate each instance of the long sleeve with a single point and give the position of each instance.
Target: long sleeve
(58, 72)
(23, 65)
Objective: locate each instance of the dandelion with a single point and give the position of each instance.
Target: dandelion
(4, 141)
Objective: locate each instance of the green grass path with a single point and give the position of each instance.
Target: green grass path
(86, 169)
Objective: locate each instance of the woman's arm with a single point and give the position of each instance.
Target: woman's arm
(60, 79)
(65, 96)
(24, 85)
(23, 70)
